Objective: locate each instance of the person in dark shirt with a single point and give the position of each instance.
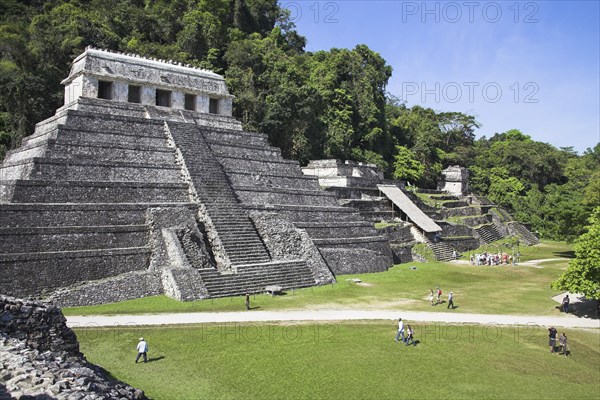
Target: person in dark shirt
(552, 338)
(565, 304)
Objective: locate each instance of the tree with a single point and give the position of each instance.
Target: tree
(583, 274)
(406, 165)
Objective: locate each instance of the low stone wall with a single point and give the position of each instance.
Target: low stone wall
(128, 286)
(461, 211)
(347, 260)
(62, 269)
(40, 358)
(455, 230)
(463, 244)
(397, 233)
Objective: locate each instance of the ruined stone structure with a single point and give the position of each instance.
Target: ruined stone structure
(40, 358)
(143, 183)
(455, 180)
(419, 219)
(348, 173)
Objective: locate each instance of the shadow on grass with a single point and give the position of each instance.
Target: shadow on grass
(152, 359)
(584, 309)
(454, 307)
(564, 254)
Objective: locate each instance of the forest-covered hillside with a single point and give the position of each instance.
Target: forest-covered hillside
(328, 104)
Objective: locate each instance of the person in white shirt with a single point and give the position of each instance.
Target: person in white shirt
(400, 330)
(142, 349)
(450, 302)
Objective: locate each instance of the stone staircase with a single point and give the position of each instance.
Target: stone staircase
(442, 250)
(247, 278)
(254, 278)
(265, 182)
(523, 233)
(253, 268)
(236, 231)
(488, 233)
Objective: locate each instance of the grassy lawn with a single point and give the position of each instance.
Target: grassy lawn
(477, 289)
(351, 360)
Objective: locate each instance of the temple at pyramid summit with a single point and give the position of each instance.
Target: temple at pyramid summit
(143, 184)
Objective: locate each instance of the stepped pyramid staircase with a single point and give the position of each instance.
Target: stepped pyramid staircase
(488, 233)
(265, 182)
(441, 250)
(242, 244)
(523, 233)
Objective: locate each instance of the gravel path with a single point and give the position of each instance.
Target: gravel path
(567, 321)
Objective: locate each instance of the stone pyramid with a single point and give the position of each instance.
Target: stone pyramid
(143, 184)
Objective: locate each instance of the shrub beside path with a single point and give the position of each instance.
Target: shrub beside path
(566, 321)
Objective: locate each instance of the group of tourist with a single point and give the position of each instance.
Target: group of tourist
(435, 298)
(406, 334)
(563, 346)
(493, 259)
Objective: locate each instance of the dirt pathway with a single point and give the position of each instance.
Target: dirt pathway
(567, 321)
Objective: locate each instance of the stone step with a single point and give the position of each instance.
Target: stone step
(260, 165)
(238, 150)
(154, 138)
(285, 196)
(341, 231)
(78, 214)
(339, 241)
(90, 170)
(41, 191)
(245, 178)
(288, 275)
(77, 119)
(43, 239)
(92, 151)
(234, 136)
(455, 204)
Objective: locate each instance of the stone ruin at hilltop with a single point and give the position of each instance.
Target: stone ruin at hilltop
(143, 183)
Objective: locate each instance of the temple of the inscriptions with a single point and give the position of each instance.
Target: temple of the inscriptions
(143, 184)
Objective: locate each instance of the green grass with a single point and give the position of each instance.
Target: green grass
(483, 289)
(351, 360)
(381, 225)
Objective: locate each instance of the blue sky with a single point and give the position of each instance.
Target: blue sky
(527, 65)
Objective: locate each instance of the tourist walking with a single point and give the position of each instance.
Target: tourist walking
(439, 295)
(562, 340)
(247, 301)
(565, 304)
(450, 302)
(400, 330)
(409, 335)
(431, 296)
(552, 338)
(142, 348)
